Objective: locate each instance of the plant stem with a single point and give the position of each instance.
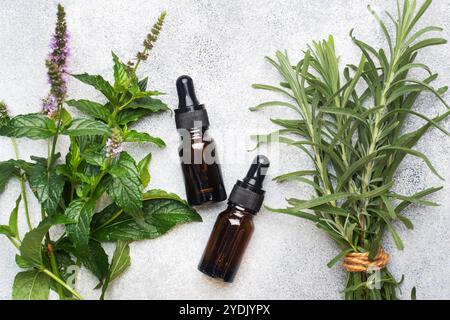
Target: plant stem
(14, 242)
(62, 283)
(55, 138)
(55, 270)
(22, 186)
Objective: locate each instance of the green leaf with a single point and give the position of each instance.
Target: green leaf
(416, 197)
(87, 127)
(7, 171)
(6, 230)
(130, 116)
(296, 213)
(273, 104)
(31, 247)
(94, 109)
(33, 126)
(134, 136)
(121, 79)
(293, 175)
(13, 218)
(345, 112)
(126, 187)
(150, 104)
(121, 261)
(94, 259)
(22, 263)
(31, 285)
(417, 154)
(94, 157)
(97, 260)
(162, 212)
(389, 207)
(46, 185)
(144, 171)
(142, 84)
(322, 200)
(339, 257)
(100, 84)
(398, 241)
(81, 211)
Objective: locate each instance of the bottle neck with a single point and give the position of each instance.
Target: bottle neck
(239, 208)
(197, 133)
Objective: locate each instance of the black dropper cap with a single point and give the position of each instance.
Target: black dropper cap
(248, 193)
(190, 113)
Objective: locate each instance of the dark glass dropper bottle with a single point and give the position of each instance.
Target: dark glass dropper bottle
(201, 170)
(234, 227)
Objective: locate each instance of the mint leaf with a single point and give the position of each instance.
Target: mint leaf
(120, 262)
(31, 247)
(125, 188)
(162, 212)
(142, 84)
(134, 136)
(81, 211)
(100, 84)
(94, 109)
(31, 285)
(94, 258)
(151, 104)
(33, 126)
(6, 230)
(47, 186)
(7, 171)
(143, 170)
(130, 116)
(87, 127)
(13, 218)
(121, 79)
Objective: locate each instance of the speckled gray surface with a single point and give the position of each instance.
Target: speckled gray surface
(221, 44)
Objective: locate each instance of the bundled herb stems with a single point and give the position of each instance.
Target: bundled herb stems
(355, 141)
(69, 189)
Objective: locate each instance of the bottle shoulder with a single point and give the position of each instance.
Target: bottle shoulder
(234, 215)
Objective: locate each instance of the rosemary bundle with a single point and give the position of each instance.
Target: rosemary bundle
(351, 126)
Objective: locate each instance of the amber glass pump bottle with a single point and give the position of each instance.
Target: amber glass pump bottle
(234, 227)
(201, 170)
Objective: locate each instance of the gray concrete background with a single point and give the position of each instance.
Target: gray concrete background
(221, 44)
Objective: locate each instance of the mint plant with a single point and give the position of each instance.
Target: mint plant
(351, 126)
(69, 188)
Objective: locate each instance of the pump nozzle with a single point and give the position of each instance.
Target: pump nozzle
(186, 92)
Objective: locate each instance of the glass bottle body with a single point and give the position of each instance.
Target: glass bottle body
(201, 170)
(227, 243)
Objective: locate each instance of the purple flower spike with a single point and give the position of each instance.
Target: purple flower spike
(114, 144)
(49, 106)
(57, 65)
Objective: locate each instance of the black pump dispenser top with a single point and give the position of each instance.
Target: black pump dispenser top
(190, 113)
(248, 193)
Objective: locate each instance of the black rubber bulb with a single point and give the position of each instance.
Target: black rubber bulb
(186, 92)
(257, 171)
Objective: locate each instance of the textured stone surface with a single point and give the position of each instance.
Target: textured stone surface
(221, 44)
